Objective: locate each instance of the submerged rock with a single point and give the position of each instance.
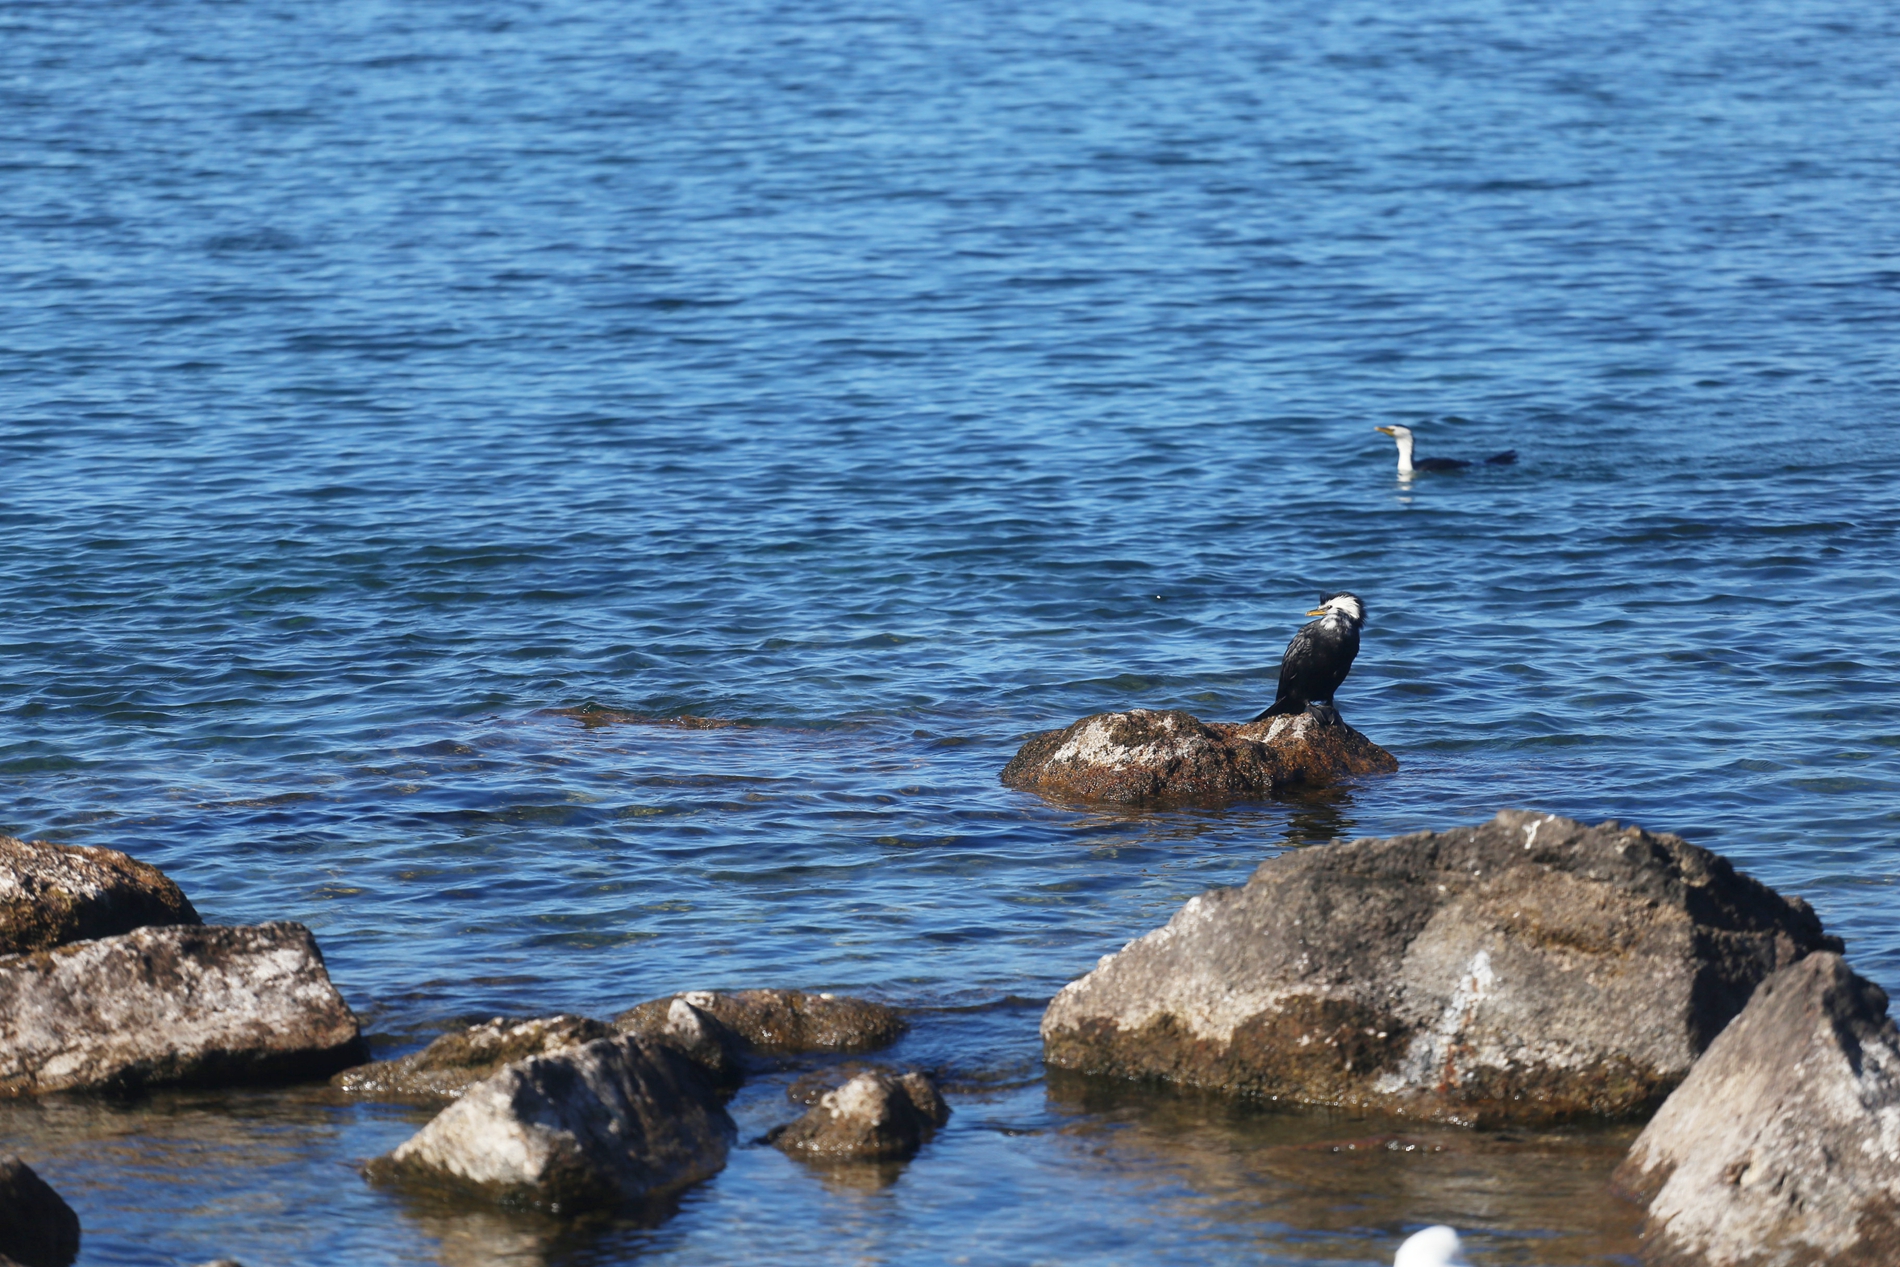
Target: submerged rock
(196, 1004)
(37, 1227)
(54, 894)
(775, 1022)
(1529, 968)
(876, 1116)
(1146, 756)
(1782, 1146)
(614, 1120)
(454, 1061)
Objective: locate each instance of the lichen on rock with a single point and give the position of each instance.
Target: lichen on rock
(54, 894)
(874, 1116)
(179, 1004)
(1529, 968)
(776, 1022)
(456, 1060)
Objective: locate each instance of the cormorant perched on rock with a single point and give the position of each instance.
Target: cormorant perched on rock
(1407, 464)
(1319, 657)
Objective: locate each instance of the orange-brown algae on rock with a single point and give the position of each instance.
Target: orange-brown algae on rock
(1150, 756)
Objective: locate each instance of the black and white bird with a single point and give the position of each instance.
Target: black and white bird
(1409, 464)
(1319, 657)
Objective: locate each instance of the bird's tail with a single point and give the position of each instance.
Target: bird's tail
(1281, 707)
(1502, 459)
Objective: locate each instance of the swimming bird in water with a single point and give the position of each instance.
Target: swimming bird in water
(1319, 658)
(1434, 1247)
(1409, 464)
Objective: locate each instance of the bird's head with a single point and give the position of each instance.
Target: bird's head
(1402, 434)
(1344, 605)
(1434, 1247)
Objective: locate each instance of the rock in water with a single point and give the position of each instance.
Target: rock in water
(1145, 756)
(192, 1004)
(1782, 1146)
(451, 1063)
(776, 1021)
(1529, 968)
(53, 894)
(37, 1227)
(875, 1116)
(618, 1119)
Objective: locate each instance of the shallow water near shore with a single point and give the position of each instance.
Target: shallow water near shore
(378, 383)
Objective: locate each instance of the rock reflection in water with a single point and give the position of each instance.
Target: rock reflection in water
(1522, 1197)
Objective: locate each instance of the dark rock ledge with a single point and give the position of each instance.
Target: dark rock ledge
(1145, 756)
(1525, 969)
(37, 1227)
(1782, 1147)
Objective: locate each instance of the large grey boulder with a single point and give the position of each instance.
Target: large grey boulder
(37, 1227)
(1149, 756)
(775, 1022)
(1782, 1147)
(457, 1060)
(53, 894)
(875, 1116)
(618, 1119)
(1529, 968)
(192, 1004)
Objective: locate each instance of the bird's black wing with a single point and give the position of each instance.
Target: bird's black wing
(1296, 668)
(1441, 464)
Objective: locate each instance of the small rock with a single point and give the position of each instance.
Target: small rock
(183, 1004)
(778, 1021)
(1782, 1146)
(54, 894)
(807, 1089)
(1529, 968)
(874, 1117)
(37, 1227)
(618, 1119)
(1146, 756)
(455, 1061)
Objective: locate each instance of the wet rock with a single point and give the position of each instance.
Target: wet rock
(874, 1117)
(809, 1088)
(1529, 968)
(1782, 1146)
(37, 1227)
(1145, 756)
(53, 894)
(777, 1022)
(615, 1120)
(184, 1004)
(451, 1063)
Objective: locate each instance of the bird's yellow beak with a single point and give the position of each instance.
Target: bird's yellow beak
(1387, 430)
(1319, 611)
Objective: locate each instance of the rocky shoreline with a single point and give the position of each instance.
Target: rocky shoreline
(1526, 970)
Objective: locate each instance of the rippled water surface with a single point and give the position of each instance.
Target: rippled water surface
(378, 379)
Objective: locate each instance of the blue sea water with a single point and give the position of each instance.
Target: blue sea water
(897, 379)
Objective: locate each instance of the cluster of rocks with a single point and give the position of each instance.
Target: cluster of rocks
(565, 1113)
(110, 981)
(1147, 756)
(1533, 969)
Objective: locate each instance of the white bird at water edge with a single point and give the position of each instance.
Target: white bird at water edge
(1434, 1247)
